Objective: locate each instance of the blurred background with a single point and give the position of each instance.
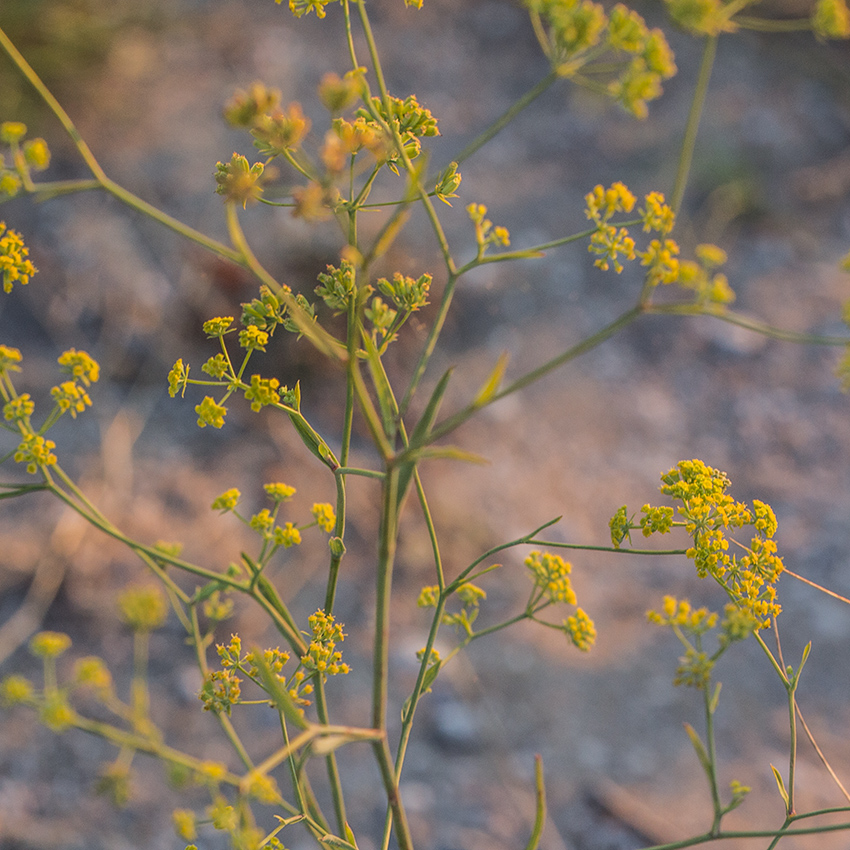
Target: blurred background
(146, 83)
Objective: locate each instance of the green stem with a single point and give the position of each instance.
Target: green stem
(339, 531)
(610, 549)
(402, 154)
(386, 558)
(223, 719)
(430, 342)
(506, 117)
(139, 686)
(353, 470)
(380, 671)
(792, 750)
(453, 422)
(689, 142)
(396, 810)
(742, 321)
(317, 335)
(773, 25)
(94, 166)
(712, 758)
(55, 188)
(330, 760)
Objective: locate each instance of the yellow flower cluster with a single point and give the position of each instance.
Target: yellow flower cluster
(227, 500)
(279, 492)
(69, 396)
(143, 609)
(707, 511)
(262, 392)
(19, 408)
(551, 573)
(579, 35)
(35, 451)
(324, 516)
(26, 157)
(694, 669)
(80, 365)
(679, 612)
(581, 630)
(322, 657)
(661, 256)
(15, 267)
(485, 233)
(210, 413)
(239, 181)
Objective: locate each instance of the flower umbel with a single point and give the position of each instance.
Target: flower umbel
(35, 451)
(14, 265)
(551, 574)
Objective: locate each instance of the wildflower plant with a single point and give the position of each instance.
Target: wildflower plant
(350, 317)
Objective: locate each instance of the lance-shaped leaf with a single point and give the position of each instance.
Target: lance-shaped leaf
(493, 382)
(386, 400)
(427, 680)
(313, 441)
(334, 842)
(699, 747)
(781, 785)
(420, 432)
(281, 699)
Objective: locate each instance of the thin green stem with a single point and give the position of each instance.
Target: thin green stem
(520, 541)
(430, 342)
(741, 321)
(712, 758)
(139, 684)
(53, 189)
(591, 342)
(339, 533)
(386, 558)
(692, 127)
(223, 719)
(321, 339)
(94, 166)
(552, 544)
(792, 749)
(402, 154)
(330, 760)
(364, 473)
(507, 116)
(773, 25)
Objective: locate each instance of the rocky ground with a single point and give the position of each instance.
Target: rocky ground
(771, 183)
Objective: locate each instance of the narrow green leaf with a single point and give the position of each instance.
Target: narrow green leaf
(493, 382)
(780, 784)
(421, 431)
(430, 675)
(386, 400)
(337, 843)
(806, 650)
(450, 453)
(313, 441)
(426, 421)
(349, 835)
(204, 593)
(278, 694)
(427, 680)
(715, 698)
(699, 747)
